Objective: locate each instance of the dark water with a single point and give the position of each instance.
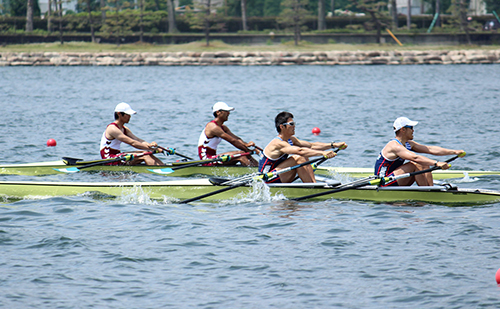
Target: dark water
(80, 252)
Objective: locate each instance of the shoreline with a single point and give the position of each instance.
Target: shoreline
(403, 57)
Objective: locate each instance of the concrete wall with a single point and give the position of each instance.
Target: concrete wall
(252, 58)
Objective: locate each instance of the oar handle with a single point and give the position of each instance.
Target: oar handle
(173, 151)
(336, 151)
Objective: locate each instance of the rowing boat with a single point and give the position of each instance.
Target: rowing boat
(176, 190)
(361, 172)
(50, 168)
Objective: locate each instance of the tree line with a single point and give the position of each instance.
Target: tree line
(116, 18)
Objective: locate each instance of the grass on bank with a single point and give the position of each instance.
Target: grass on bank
(220, 46)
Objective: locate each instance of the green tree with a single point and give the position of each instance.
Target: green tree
(172, 26)
(293, 16)
(58, 12)
(117, 23)
(374, 9)
(244, 15)
(492, 5)
(459, 9)
(394, 15)
(272, 7)
(206, 18)
(321, 15)
(81, 6)
(29, 16)
(19, 8)
(439, 6)
(88, 6)
(256, 8)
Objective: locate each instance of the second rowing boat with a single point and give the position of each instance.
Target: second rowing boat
(172, 191)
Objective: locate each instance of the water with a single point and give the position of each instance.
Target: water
(80, 252)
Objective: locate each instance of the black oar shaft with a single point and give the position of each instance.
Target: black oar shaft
(209, 194)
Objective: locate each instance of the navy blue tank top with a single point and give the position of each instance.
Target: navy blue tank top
(384, 167)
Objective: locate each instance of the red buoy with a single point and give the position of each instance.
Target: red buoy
(497, 276)
(51, 142)
(316, 131)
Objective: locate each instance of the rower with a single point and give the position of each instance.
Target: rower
(116, 133)
(287, 150)
(216, 131)
(391, 160)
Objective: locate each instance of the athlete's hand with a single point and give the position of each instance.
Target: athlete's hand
(443, 165)
(329, 154)
(341, 145)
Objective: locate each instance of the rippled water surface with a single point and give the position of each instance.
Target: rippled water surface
(131, 252)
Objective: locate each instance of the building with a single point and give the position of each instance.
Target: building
(477, 7)
(67, 5)
(418, 7)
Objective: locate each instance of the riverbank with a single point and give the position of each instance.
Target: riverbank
(245, 58)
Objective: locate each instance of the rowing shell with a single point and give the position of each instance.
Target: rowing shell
(49, 168)
(184, 189)
(361, 172)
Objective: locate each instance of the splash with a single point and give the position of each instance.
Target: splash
(136, 195)
(342, 177)
(466, 179)
(259, 192)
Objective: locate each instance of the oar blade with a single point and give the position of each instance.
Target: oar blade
(68, 170)
(161, 171)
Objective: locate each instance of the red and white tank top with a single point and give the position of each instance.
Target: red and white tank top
(208, 146)
(110, 147)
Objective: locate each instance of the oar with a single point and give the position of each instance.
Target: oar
(169, 170)
(127, 157)
(315, 165)
(243, 180)
(371, 181)
(173, 151)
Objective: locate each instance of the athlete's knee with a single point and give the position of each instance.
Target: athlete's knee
(420, 167)
(301, 159)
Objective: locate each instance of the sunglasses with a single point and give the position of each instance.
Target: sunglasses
(289, 123)
(409, 127)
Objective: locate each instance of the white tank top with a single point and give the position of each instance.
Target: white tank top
(114, 143)
(212, 142)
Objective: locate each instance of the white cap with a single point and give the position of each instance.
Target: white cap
(221, 106)
(124, 108)
(402, 122)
